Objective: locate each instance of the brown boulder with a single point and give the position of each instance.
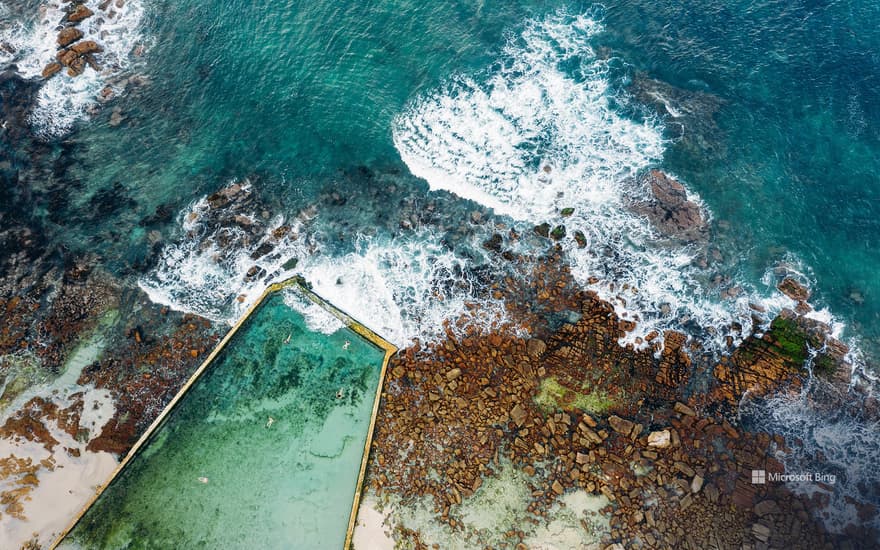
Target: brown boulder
(681, 408)
(536, 347)
(620, 425)
(66, 57)
(660, 439)
(79, 13)
(518, 415)
(86, 46)
(68, 36)
(51, 69)
(794, 290)
(76, 67)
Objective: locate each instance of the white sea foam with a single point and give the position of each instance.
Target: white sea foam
(62, 100)
(539, 132)
(198, 275)
(403, 288)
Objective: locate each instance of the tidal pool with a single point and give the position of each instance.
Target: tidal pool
(264, 451)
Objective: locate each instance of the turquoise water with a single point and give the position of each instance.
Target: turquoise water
(793, 164)
(220, 474)
(298, 95)
(411, 131)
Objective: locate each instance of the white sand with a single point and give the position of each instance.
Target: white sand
(65, 488)
(62, 492)
(371, 531)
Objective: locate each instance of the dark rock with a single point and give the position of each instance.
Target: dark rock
(493, 243)
(558, 233)
(670, 210)
(542, 230)
(262, 250)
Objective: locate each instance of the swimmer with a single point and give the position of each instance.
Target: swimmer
(340, 394)
(203, 479)
(346, 344)
(270, 422)
(287, 340)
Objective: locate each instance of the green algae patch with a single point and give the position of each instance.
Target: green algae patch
(790, 339)
(553, 396)
(263, 451)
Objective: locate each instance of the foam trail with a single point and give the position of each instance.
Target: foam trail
(200, 275)
(31, 45)
(404, 288)
(543, 133)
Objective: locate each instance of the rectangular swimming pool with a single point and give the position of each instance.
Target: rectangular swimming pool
(264, 450)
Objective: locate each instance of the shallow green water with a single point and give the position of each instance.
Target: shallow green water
(216, 476)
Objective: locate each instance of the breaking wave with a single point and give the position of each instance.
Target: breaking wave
(826, 438)
(404, 288)
(541, 132)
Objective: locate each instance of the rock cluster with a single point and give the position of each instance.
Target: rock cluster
(145, 371)
(572, 409)
(74, 53)
(235, 219)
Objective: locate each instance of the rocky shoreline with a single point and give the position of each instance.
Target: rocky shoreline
(74, 52)
(650, 431)
(573, 411)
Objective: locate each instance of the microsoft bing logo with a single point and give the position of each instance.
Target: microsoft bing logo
(759, 477)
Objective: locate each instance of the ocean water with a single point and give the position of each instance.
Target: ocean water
(264, 450)
(435, 124)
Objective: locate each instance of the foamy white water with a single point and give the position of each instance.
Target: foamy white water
(402, 288)
(834, 444)
(63, 100)
(198, 275)
(530, 138)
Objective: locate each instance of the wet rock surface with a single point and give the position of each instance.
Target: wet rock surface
(670, 210)
(75, 53)
(574, 410)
